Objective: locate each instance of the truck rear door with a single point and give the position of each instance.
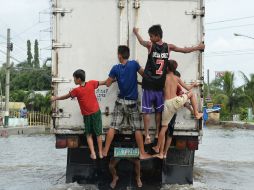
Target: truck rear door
(182, 25)
(86, 35)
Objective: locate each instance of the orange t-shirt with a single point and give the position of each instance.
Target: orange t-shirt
(86, 97)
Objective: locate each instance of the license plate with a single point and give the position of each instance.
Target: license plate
(126, 152)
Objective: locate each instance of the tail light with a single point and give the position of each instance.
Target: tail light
(192, 144)
(73, 142)
(180, 144)
(61, 142)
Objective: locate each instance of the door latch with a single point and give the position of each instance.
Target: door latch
(197, 12)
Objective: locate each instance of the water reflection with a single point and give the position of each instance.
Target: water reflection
(225, 160)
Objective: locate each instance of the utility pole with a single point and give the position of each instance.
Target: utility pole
(208, 84)
(7, 80)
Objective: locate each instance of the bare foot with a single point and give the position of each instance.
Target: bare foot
(139, 182)
(114, 181)
(100, 155)
(199, 115)
(148, 140)
(144, 156)
(104, 153)
(164, 156)
(160, 156)
(156, 149)
(93, 156)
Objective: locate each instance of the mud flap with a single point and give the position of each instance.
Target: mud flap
(178, 167)
(81, 169)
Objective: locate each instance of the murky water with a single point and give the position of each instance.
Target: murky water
(225, 161)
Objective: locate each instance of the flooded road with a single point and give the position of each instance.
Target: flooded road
(225, 160)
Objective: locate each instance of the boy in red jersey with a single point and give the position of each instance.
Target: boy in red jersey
(89, 108)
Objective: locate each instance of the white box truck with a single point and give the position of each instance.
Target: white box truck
(86, 34)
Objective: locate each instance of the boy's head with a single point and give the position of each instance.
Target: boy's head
(155, 33)
(79, 76)
(123, 53)
(177, 74)
(172, 65)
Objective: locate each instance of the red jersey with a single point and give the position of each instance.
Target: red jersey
(86, 97)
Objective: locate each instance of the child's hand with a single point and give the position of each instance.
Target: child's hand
(135, 30)
(195, 84)
(201, 46)
(53, 98)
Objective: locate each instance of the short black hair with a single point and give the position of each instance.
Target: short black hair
(156, 30)
(124, 51)
(80, 74)
(177, 74)
(172, 65)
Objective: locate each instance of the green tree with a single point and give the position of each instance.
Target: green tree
(38, 102)
(29, 54)
(228, 95)
(229, 88)
(36, 63)
(249, 89)
(18, 95)
(215, 87)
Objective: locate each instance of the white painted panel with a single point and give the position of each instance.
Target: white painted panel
(179, 29)
(92, 30)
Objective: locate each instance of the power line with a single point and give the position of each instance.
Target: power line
(231, 51)
(17, 51)
(3, 37)
(11, 57)
(27, 29)
(4, 23)
(25, 51)
(236, 26)
(219, 55)
(229, 20)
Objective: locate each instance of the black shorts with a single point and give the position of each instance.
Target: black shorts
(171, 126)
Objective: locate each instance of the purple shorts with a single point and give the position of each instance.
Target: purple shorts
(152, 99)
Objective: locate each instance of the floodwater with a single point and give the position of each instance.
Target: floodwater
(224, 161)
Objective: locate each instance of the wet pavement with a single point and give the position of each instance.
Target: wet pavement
(225, 160)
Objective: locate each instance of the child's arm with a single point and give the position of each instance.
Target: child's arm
(66, 96)
(141, 71)
(109, 81)
(173, 47)
(144, 43)
(185, 86)
(104, 82)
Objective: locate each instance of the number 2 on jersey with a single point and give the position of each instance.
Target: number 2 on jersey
(161, 63)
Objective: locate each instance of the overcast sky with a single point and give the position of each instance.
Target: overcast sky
(224, 51)
(29, 19)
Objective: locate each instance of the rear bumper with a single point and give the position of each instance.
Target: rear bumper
(80, 168)
(176, 169)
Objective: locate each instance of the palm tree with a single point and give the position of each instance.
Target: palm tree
(228, 95)
(248, 88)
